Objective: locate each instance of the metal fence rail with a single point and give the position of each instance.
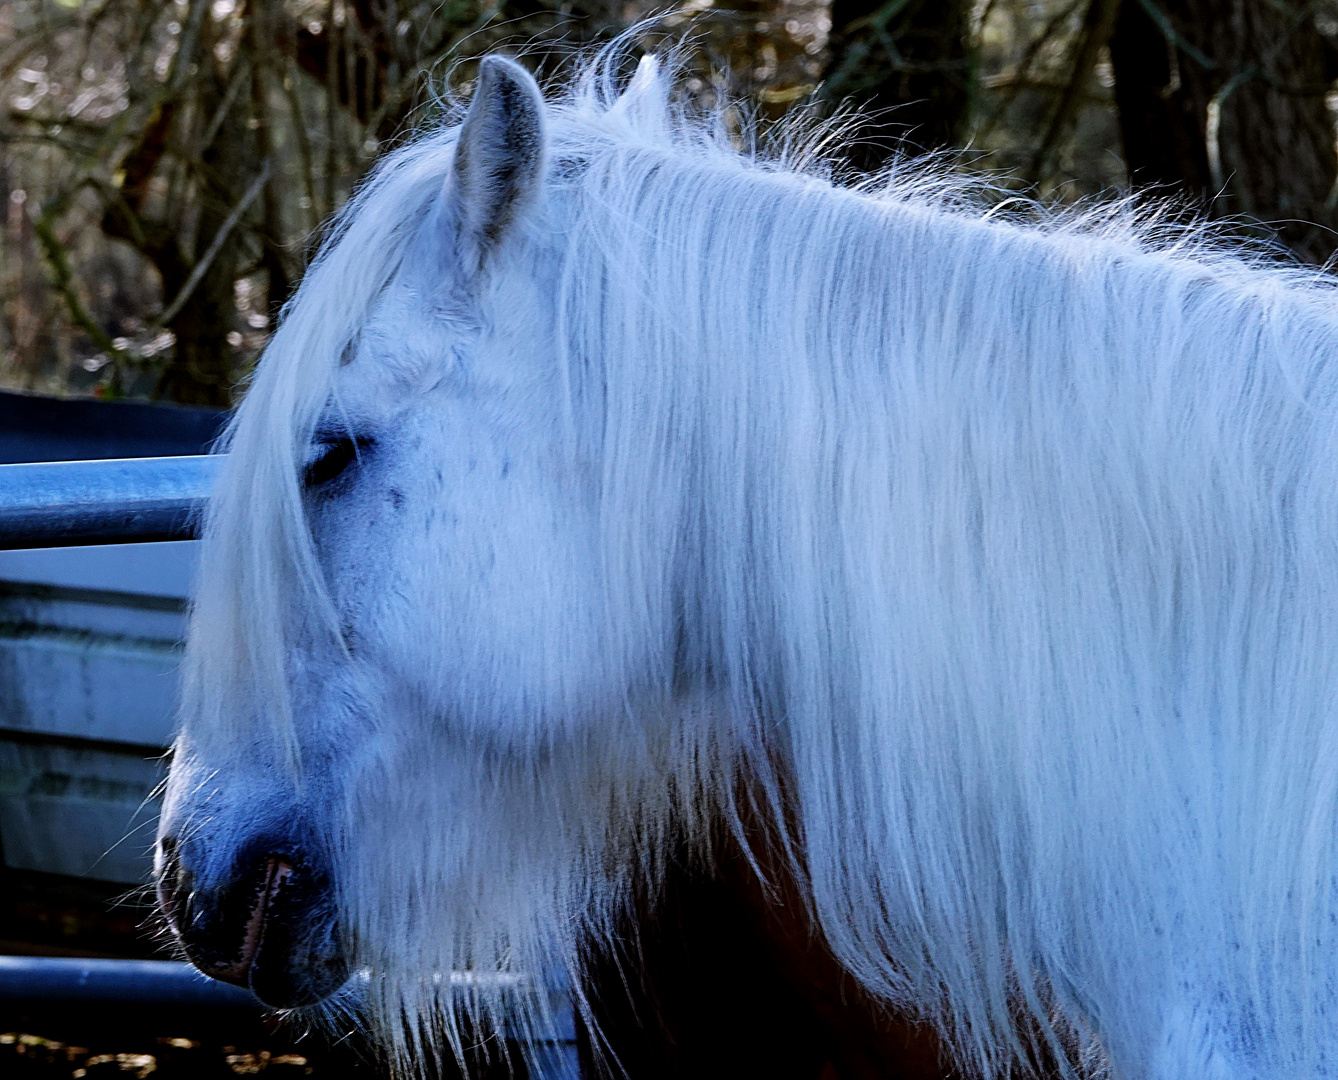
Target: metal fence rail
(30, 979)
(128, 500)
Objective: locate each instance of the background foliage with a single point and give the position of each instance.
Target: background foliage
(166, 164)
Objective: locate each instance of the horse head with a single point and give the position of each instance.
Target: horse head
(433, 620)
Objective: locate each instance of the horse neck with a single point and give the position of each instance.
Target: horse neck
(736, 336)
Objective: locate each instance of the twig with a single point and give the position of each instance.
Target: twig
(229, 100)
(1028, 58)
(1098, 26)
(303, 142)
(184, 59)
(62, 275)
(331, 109)
(858, 52)
(68, 145)
(404, 87)
(1169, 32)
(879, 18)
(1212, 126)
(215, 246)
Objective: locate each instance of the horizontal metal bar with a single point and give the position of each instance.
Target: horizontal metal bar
(34, 979)
(126, 500)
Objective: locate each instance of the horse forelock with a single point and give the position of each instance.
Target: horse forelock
(979, 524)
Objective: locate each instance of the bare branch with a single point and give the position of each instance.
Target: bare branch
(62, 278)
(215, 246)
(1097, 28)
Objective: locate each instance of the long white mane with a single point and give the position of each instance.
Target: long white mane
(1006, 556)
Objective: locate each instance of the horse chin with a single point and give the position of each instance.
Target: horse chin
(293, 970)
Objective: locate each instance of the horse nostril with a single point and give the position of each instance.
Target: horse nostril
(265, 919)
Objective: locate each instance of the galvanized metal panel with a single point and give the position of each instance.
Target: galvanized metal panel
(82, 812)
(89, 649)
(112, 615)
(162, 569)
(83, 685)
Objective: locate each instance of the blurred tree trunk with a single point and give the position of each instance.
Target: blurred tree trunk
(1225, 101)
(213, 132)
(267, 32)
(909, 64)
(200, 372)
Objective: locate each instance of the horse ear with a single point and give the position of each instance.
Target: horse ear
(499, 158)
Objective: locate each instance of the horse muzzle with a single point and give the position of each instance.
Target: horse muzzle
(267, 923)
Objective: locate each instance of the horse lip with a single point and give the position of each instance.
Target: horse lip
(277, 871)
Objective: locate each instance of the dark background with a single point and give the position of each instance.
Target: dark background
(166, 166)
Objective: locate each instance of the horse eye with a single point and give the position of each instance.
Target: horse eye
(336, 455)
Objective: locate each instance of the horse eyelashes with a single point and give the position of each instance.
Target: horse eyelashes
(336, 456)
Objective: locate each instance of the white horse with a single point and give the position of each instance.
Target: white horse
(604, 481)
